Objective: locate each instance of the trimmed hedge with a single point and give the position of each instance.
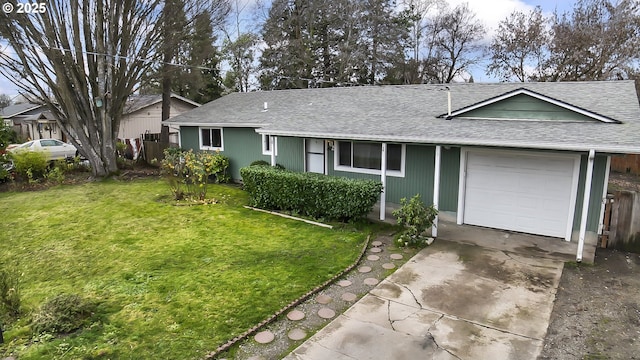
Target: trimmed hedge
(309, 194)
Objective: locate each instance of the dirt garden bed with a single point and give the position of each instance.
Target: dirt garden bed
(596, 314)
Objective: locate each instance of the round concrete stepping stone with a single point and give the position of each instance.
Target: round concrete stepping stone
(349, 297)
(344, 283)
(376, 243)
(295, 315)
(323, 299)
(388, 266)
(364, 269)
(257, 357)
(326, 313)
(375, 250)
(396, 256)
(371, 281)
(373, 257)
(297, 334)
(264, 337)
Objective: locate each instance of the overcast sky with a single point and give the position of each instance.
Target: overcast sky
(489, 12)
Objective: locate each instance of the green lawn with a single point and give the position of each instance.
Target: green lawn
(172, 282)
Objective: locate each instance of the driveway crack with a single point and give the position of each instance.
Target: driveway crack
(412, 294)
(389, 315)
(431, 338)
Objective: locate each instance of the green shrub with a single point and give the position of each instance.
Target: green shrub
(260, 163)
(10, 292)
(188, 173)
(31, 165)
(62, 314)
(309, 194)
(416, 218)
(55, 174)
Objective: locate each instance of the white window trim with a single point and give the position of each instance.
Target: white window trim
(394, 173)
(202, 147)
(264, 142)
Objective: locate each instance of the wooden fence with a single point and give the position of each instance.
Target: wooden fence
(629, 163)
(153, 151)
(621, 227)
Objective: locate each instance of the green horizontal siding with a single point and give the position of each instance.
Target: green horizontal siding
(291, 153)
(525, 107)
(595, 197)
(241, 145)
(418, 179)
(449, 179)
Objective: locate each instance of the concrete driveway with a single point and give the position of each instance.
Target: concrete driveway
(451, 301)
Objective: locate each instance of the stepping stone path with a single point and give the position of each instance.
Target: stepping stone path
(295, 315)
(264, 337)
(326, 313)
(297, 334)
(297, 321)
(349, 297)
(371, 281)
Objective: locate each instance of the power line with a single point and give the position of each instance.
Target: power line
(117, 56)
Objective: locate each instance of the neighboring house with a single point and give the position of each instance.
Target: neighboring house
(516, 156)
(143, 115)
(32, 121)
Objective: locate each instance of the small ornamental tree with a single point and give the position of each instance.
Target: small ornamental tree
(415, 217)
(188, 173)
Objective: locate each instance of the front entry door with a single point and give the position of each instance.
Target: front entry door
(315, 155)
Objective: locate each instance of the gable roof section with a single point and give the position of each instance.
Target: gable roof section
(18, 109)
(523, 91)
(138, 102)
(410, 114)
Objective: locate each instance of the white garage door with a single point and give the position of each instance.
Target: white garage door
(520, 192)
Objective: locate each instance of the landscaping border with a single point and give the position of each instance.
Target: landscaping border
(290, 217)
(288, 307)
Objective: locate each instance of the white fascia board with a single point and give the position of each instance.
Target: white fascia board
(537, 96)
(221, 125)
(619, 149)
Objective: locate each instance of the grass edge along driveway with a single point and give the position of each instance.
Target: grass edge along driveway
(170, 281)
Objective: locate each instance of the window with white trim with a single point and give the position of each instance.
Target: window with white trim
(266, 144)
(211, 139)
(366, 157)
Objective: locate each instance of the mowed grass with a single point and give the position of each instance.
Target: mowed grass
(172, 282)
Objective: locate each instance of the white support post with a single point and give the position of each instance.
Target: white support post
(383, 180)
(436, 189)
(272, 146)
(585, 204)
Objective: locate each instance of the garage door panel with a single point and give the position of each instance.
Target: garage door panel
(521, 192)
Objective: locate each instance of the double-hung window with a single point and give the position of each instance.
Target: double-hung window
(366, 157)
(266, 144)
(211, 139)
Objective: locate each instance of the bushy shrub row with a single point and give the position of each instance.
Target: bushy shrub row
(309, 194)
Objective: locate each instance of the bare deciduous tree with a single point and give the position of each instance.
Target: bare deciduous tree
(517, 48)
(453, 44)
(83, 59)
(597, 40)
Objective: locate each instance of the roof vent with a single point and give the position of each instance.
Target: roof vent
(266, 106)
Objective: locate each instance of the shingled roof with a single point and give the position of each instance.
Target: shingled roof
(413, 113)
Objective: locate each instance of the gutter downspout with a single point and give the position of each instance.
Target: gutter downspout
(383, 180)
(585, 204)
(272, 146)
(436, 189)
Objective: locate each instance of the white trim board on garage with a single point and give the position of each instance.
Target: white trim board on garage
(530, 192)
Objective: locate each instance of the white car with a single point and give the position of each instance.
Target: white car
(54, 149)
